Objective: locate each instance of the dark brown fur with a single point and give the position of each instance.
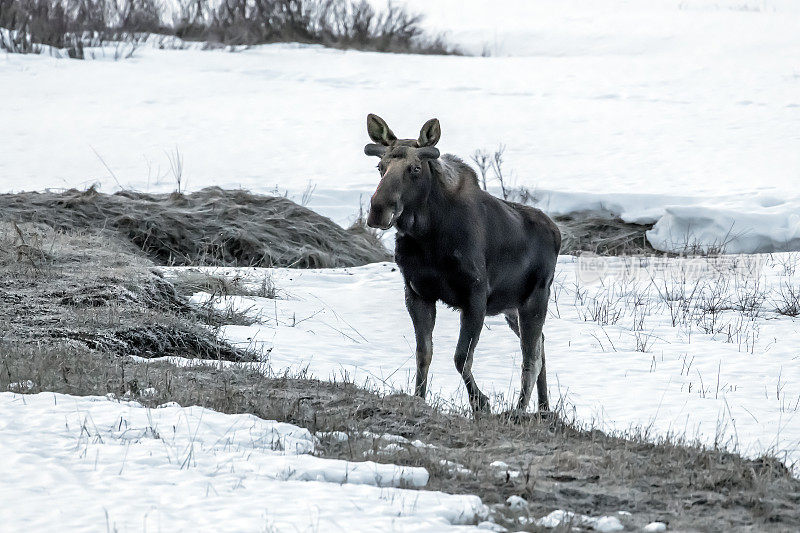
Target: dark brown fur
(460, 245)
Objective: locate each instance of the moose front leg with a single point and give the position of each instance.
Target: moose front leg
(423, 316)
(472, 318)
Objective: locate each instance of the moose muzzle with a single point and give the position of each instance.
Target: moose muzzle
(385, 206)
(383, 216)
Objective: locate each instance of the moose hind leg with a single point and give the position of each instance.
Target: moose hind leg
(423, 316)
(541, 384)
(531, 322)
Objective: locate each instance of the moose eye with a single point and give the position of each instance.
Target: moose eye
(414, 169)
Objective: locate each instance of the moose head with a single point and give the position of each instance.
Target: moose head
(405, 169)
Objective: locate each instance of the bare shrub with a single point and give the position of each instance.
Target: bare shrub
(335, 23)
(74, 25)
(482, 160)
(497, 167)
(71, 26)
(605, 308)
(487, 160)
(787, 301)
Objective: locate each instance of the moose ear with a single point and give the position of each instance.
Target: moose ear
(375, 149)
(430, 133)
(379, 131)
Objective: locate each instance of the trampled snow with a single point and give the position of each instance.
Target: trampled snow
(94, 464)
(684, 113)
(682, 348)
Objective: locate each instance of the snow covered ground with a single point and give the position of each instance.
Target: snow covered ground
(95, 464)
(683, 113)
(690, 349)
(680, 113)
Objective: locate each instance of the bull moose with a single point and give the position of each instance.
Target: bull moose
(458, 244)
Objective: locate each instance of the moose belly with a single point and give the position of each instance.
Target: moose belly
(435, 288)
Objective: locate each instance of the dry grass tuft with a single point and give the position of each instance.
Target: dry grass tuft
(588, 232)
(212, 227)
(85, 290)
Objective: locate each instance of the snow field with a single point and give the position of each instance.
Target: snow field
(681, 113)
(685, 349)
(93, 463)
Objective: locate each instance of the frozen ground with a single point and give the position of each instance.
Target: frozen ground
(94, 464)
(690, 349)
(683, 113)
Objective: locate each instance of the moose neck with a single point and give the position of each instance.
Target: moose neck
(425, 217)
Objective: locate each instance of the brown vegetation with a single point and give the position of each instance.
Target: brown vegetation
(72, 26)
(208, 227)
(85, 292)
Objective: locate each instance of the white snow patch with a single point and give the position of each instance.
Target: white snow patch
(21, 386)
(604, 524)
(391, 448)
(655, 527)
(454, 467)
(504, 470)
(338, 436)
(491, 526)
(387, 437)
(86, 462)
(516, 503)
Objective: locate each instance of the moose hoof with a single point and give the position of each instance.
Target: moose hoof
(480, 403)
(519, 416)
(545, 414)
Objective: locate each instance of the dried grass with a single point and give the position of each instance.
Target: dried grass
(212, 227)
(86, 291)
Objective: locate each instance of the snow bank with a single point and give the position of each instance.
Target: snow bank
(734, 223)
(775, 228)
(89, 463)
